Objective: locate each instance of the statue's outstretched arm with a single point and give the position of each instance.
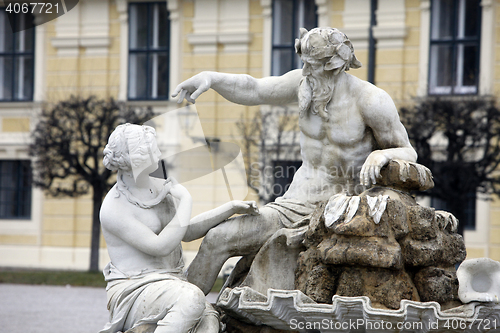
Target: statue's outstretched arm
(242, 88)
(200, 224)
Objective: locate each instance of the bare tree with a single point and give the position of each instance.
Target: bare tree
(459, 140)
(270, 136)
(67, 146)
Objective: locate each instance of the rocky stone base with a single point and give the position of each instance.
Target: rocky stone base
(385, 288)
(378, 255)
(383, 245)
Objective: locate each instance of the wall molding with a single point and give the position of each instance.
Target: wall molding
(87, 26)
(356, 17)
(391, 29)
(487, 48)
(267, 35)
(423, 62)
(219, 22)
(323, 13)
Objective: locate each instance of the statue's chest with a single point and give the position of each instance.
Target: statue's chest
(344, 126)
(151, 218)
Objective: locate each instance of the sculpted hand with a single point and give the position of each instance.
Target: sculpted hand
(193, 87)
(371, 168)
(245, 207)
(177, 190)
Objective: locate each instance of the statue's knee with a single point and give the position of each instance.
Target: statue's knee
(193, 301)
(211, 242)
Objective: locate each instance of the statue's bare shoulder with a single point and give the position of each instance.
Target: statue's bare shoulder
(379, 113)
(113, 210)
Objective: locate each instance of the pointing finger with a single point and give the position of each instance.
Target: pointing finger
(372, 174)
(197, 93)
(362, 175)
(190, 99)
(177, 90)
(377, 171)
(181, 96)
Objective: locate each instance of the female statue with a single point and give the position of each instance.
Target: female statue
(144, 220)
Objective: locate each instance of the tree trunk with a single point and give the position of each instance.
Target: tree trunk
(96, 227)
(457, 209)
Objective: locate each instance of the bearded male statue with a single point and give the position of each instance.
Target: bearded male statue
(349, 130)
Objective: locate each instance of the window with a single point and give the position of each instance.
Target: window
(16, 57)
(288, 17)
(283, 175)
(454, 49)
(149, 42)
(469, 211)
(15, 189)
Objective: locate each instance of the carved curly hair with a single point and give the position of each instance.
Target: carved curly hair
(128, 146)
(321, 43)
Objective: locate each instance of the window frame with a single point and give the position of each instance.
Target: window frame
(13, 55)
(455, 42)
(470, 223)
(148, 51)
(295, 26)
(20, 189)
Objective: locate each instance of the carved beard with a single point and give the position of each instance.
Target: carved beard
(315, 92)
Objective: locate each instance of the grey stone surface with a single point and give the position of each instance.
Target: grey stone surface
(422, 222)
(54, 309)
(439, 285)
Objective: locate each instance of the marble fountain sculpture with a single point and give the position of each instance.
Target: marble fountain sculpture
(345, 249)
(347, 243)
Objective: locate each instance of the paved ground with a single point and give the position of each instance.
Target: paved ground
(53, 309)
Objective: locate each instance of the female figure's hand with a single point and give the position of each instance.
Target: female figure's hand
(245, 207)
(177, 190)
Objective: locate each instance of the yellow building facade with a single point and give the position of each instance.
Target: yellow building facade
(127, 50)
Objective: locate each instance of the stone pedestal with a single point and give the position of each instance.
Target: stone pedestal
(379, 253)
(387, 247)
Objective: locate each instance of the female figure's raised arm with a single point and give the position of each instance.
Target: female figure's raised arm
(132, 231)
(200, 224)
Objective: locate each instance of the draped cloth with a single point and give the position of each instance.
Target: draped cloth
(146, 298)
(293, 214)
(274, 265)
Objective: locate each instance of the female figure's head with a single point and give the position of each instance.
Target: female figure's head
(132, 148)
